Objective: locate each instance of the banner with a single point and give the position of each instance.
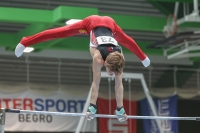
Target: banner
(164, 107)
(107, 125)
(58, 101)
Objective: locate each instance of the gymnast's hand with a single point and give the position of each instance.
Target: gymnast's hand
(91, 112)
(89, 116)
(121, 114)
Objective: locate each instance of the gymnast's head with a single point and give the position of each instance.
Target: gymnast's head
(114, 63)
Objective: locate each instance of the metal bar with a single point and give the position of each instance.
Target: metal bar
(81, 121)
(196, 6)
(2, 119)
(173, 47)
(177, 53)
(104, 115)
(125, 75)
(176, 9)
(194, 48)
(2, 128)
(187, 55)
(151, 103)
(130, 107)
(186, 43)
(109, 93)
(84, 126)
(187, 8)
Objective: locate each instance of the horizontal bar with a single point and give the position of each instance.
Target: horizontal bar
(102, 115)
(125, 75)
(12, 110)
(2, 128)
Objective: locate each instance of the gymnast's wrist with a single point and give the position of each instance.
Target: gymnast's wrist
(120, 110)
(92, 108)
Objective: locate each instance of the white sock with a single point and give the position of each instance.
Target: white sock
(146, 62)
(19, 50)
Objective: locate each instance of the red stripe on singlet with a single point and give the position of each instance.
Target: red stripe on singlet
(93, 38)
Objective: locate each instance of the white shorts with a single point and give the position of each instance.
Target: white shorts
(95, 41)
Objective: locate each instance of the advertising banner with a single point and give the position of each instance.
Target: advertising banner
(107, 125)
(164, 107)
(56, 102)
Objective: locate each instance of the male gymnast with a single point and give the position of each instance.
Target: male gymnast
(105, 51)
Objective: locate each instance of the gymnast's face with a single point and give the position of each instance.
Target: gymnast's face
(108, 70)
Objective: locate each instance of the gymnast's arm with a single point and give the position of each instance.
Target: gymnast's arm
(130, 44)
(97, 65)
(50, 34)
(119, 90)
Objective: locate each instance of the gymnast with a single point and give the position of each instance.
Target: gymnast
(104, 36)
